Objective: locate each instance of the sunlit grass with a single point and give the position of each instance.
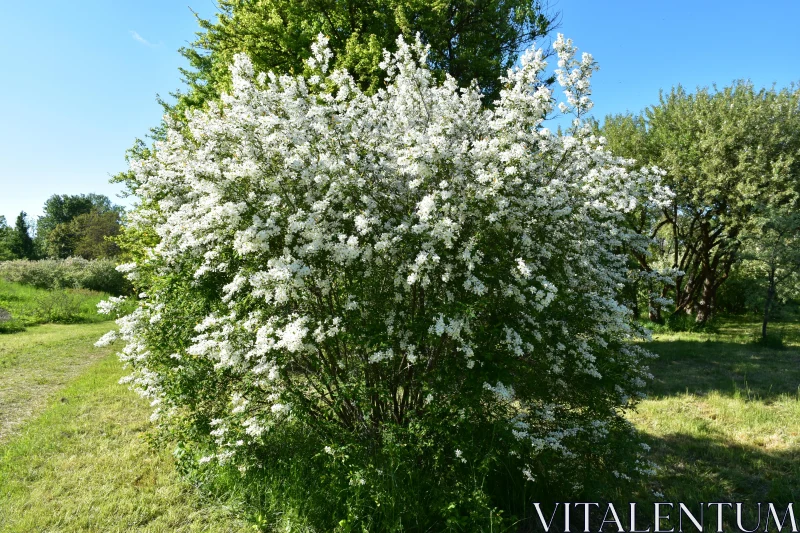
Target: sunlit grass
(28, 306)
(81, 463)
(36, 363)
(723, 416)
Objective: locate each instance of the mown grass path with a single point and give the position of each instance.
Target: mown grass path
(36, 363)
(80, 461)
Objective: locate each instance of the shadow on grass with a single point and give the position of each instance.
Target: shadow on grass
(730, 368)
(698, 470)
(713, 469)
(695, 470)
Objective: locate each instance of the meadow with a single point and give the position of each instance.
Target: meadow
(723, 416)
(27, 306)
(722, 419)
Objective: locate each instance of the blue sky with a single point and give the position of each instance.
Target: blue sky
(79, 79)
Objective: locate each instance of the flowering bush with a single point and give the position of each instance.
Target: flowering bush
(405, 295)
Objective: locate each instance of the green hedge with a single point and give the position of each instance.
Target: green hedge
(75, 272)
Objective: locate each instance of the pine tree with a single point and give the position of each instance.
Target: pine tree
(21, 241)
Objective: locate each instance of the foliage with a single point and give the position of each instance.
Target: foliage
(411, 294)
(77, 225)
(76, 273)
(61, 208)
(21, 242)
(772, 250)
(468, 39)
(88, 235)
(742, 293)
(729, 155)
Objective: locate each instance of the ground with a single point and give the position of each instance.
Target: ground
(722, 418)
(72, 453)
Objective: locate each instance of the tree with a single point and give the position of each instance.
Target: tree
(21, 241)
(774, 249)
(6, 236)
(469, 39)
(56, 233)
(390, 289)
(94, 234)
(727, 154)
(61, 208)
(87, 235)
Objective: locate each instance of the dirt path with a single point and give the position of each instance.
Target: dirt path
(37, 363)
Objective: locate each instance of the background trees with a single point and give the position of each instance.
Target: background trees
(21, 243)
(732, 158)
(77, 225)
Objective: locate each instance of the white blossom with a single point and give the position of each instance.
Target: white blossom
(331, 239)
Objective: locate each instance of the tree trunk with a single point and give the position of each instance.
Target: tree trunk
(653, 308)
(768, 303)
(654, 312)
(705, 307)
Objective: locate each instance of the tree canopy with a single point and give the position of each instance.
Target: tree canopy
(61, 208)
(77, 225)
(469, 39)
(21, 240)
(729, 154)
(86, 235)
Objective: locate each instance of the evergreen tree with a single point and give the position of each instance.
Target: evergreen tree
(21, 241)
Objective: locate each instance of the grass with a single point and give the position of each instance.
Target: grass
(80, 462)
(29, 306)
(722, 419)
(36, 363)
(723, 416)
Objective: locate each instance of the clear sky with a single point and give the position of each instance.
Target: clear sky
(78, 80)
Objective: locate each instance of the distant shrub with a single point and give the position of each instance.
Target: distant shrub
(740, 294)
(60, 306)
(75, 272)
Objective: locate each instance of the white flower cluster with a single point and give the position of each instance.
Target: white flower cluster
(362, 258)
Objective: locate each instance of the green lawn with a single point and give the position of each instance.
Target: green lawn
(36, 363)
(723, 416)
(79, 461)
